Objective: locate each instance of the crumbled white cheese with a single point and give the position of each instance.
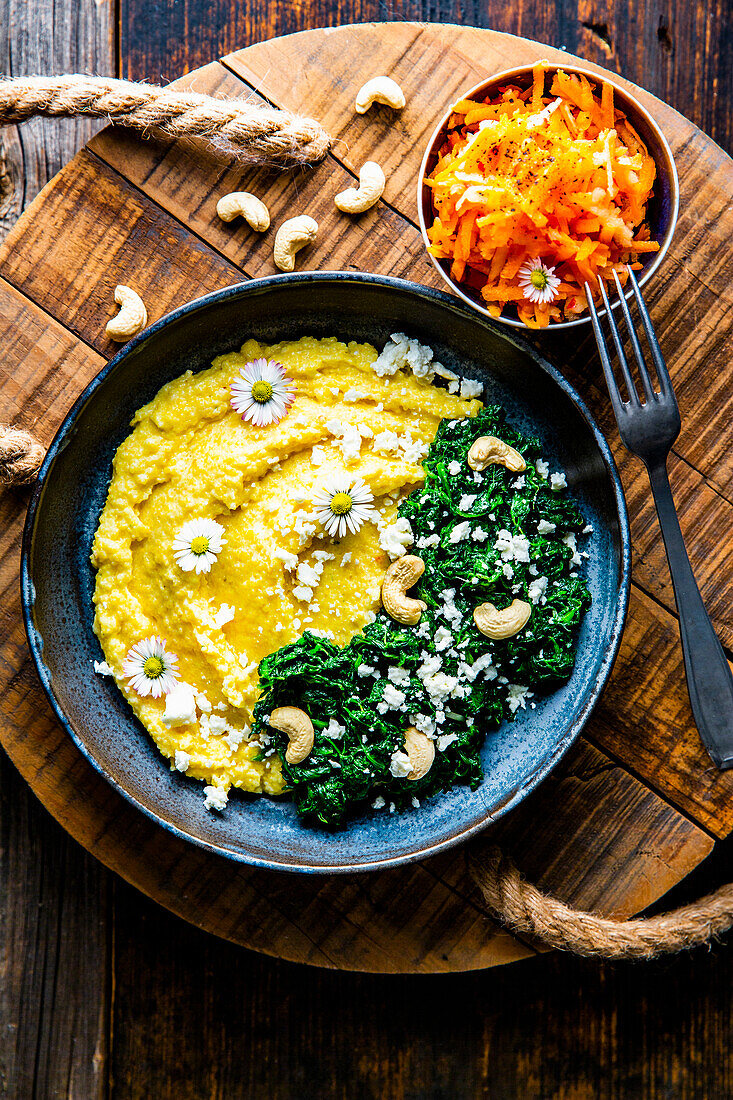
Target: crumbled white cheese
(542, 468)
(289, 560)
(216, 798)
(217, 724)
(479, 535)
(517, 696)
(588, 529)
(445, 740)
(398, 676)
(224, 615)
(203, 703)
(481, 664)
(467, 501)
(454, 468)
(303, 593)
(424, 723)
(378, 803)
(392, 699)
(544, 527)
(400, 765)
(181, 760)
(405, 353)
(427, 541)
(365, 670)
(334, 730)
(102, 668)
(558, 481)
(443, 638)
(519, 483)
(512, 547)
(346, 558)
(537, 589)
(318, 456)
(396, 537)
(180, 705)
(460, 532)
(569, 540)
(235, 737)
(353, 394)
(469, 388)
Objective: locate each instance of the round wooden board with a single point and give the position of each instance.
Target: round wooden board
(636, 804)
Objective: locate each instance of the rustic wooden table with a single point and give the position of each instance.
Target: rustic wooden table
(103, 993)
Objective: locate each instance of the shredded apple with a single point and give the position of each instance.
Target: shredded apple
(545, 192)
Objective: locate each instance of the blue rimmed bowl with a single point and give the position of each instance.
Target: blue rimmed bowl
(58, 581)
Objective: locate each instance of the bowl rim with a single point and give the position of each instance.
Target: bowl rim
(669, 166)
(580, 718)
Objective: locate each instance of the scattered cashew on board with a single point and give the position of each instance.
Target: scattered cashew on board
(132, 318)
(293, 235)
(243, 204)
(380, 89)
(355, 200)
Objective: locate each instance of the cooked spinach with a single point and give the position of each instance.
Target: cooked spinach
(442, 675)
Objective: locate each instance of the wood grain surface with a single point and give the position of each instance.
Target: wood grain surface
(86, 976)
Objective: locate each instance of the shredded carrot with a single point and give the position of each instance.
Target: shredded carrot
(527, 177)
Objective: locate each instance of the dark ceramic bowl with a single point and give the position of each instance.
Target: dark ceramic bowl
(662, 210)
(58, 581)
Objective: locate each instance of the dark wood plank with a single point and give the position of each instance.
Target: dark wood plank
(231, 1023)
(39, 36)
(55, 915)
(667, 50)
(54, 954)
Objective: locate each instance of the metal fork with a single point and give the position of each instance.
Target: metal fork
(648, 428)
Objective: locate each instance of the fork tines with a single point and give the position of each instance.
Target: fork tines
(665, 385)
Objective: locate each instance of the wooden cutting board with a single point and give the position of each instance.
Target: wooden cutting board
(637, 803)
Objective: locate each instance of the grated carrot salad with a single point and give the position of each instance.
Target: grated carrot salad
(525, 177)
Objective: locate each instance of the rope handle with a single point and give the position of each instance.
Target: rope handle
(231, 127)
(528, 912)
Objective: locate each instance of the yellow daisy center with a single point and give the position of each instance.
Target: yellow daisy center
(538, 278)
(199, 545)
(153, 668)
(261, 391)
(341, 503)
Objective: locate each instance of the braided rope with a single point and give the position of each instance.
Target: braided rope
(526, 911)
(233, 128)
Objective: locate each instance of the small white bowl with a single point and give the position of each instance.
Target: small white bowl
(663, 206)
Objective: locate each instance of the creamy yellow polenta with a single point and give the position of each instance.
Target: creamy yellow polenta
(190, 456)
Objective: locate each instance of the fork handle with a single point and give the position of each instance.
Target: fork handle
(709, 678)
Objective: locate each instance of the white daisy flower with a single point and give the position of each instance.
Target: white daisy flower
(538, 282)
(150, 668)
(343, 505)
(197, 545)
(262, 393)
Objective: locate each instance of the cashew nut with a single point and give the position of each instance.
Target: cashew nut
(132, 317)
(299, 728)
(293, 235)
(380, 89)
(371, 185)
(421, 751)
(497, 624)
(490, 451)
(243, 204)
(400, 576)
